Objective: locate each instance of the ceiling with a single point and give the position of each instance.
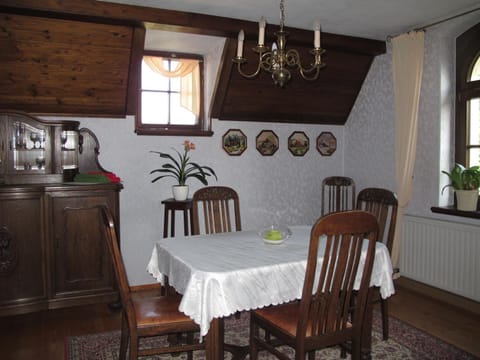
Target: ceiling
(373, 19)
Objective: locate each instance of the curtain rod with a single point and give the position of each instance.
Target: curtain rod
(423, 28)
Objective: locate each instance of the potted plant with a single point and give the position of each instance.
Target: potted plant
(181, 170)
(465, 182)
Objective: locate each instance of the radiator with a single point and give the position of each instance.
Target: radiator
(442, 254)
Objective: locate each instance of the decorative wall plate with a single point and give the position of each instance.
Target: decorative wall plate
(298, 143)
(234, 142)
(326, 143)
(267, 142)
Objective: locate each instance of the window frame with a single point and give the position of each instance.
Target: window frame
(202, 128)
(467, 53)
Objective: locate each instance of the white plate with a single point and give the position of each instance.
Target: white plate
(273, 242)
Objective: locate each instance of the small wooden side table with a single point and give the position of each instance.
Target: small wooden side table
(171, 205)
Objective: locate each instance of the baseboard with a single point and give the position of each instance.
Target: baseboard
(146, 287)
(438, 294)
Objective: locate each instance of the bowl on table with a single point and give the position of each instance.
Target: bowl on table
(274, 234)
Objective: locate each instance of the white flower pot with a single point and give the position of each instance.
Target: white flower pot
(467, 200)
(180, 192)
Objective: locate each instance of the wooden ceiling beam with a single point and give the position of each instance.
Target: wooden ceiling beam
(112, 13)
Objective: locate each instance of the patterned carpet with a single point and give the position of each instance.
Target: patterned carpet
(406, 342)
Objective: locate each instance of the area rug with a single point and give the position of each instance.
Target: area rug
(406, 342)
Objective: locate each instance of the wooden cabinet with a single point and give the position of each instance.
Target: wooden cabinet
(52, 249)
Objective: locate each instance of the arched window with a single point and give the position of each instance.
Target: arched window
(467, 118)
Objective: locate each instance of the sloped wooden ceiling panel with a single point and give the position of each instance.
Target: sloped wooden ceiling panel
(327, 100)
(63, 66)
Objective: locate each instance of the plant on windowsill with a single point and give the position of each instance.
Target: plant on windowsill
(466, 183)
(181, 170)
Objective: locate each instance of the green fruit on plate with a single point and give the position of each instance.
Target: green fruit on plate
(274, 235)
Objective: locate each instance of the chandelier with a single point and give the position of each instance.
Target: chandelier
(277, 60)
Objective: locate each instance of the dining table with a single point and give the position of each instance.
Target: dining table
(221, 274)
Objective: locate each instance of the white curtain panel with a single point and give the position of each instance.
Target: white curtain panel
(408, 54)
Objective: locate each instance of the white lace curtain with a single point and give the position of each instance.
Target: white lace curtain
(408, 53)
(189, 73)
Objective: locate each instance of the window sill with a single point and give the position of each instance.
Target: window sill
(451, 210)
(174, 132)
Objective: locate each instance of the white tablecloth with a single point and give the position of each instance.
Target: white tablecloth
(224, 273)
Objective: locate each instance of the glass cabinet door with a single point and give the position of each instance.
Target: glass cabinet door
(34, 151)
(30, 148)
(69, 141)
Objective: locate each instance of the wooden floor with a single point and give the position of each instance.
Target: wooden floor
(41, 335)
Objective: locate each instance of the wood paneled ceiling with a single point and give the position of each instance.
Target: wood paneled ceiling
(81, 57)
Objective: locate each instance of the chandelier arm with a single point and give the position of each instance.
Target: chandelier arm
(266, 61)
(248, 76)
(293, 59)
(310, 78)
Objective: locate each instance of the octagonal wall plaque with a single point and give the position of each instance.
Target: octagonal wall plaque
(267, 142)
(326, 143)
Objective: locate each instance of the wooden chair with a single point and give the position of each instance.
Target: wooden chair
(338, 194)
(383, 204)
(217, 202)
(323, 316)
(147, 314)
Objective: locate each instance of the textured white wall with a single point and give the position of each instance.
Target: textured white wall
(370, 130)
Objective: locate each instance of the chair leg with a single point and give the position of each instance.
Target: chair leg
(133, 347)
(356, 350)
(190, 341)
(254, 333)
(384, 308)
(123, 339)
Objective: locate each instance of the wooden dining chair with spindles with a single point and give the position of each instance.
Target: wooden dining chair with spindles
(338, 194)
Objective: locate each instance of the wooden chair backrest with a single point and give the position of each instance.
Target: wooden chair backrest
(118, 265)
(217, 203)
(383, 204)
(338, 194)
(325, 309)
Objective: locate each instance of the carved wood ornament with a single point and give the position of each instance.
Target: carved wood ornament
(8, 251)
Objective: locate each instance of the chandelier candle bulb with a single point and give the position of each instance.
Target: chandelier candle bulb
(241, 37)
(316, 41)
(261, 31)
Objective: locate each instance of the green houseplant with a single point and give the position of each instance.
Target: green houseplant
(182, 169)
(466, 183)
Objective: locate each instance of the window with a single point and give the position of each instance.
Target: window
(467, 123)
(171, 95)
